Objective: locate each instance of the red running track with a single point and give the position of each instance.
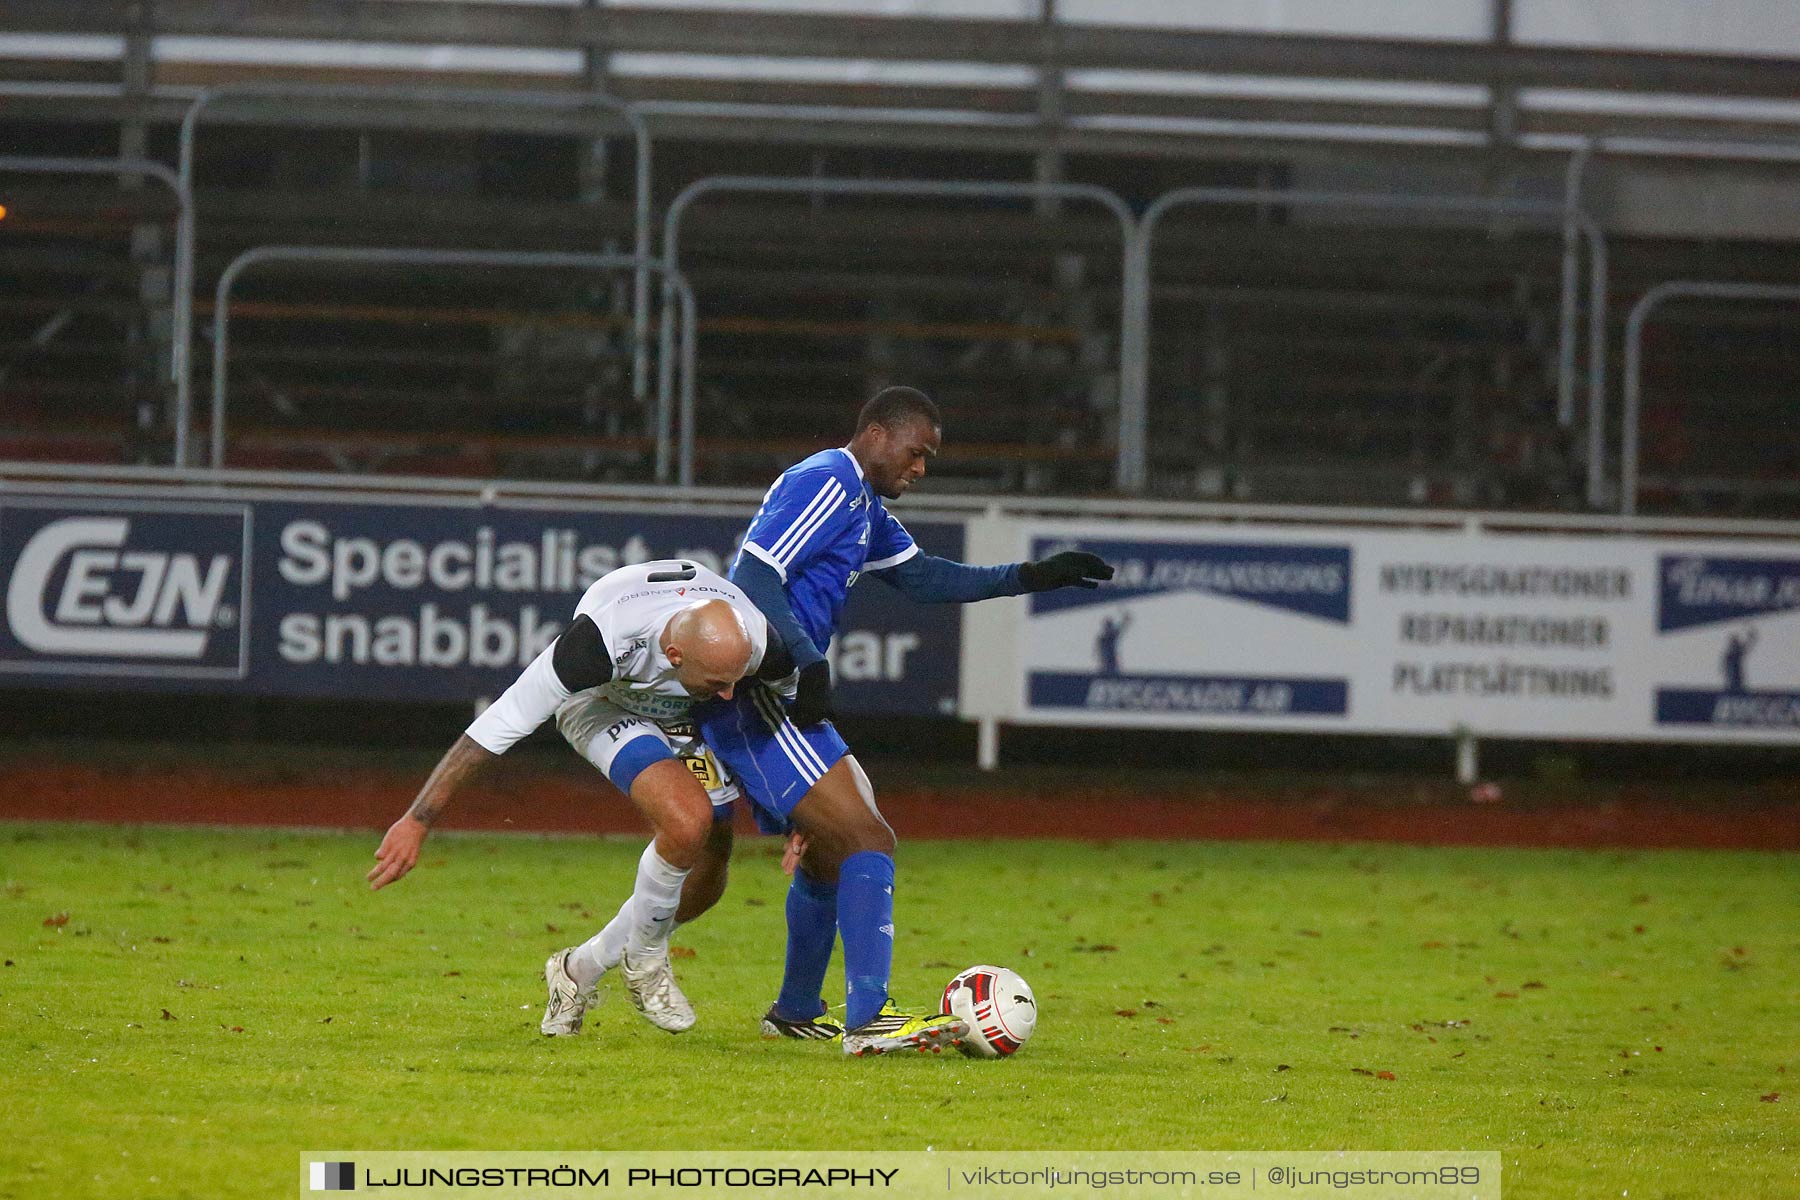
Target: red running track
(523, 799)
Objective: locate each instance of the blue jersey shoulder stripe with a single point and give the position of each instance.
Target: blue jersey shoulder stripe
(788, 545)
(800, 528)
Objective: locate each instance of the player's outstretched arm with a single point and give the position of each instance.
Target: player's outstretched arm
(577, 659)
(399, 850)
(932, 580)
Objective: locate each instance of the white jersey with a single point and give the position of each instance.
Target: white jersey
(631, 607)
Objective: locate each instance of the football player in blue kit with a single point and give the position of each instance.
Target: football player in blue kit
(821, 527)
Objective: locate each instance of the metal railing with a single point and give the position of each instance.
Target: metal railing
(184, 201)
(1391, 202)
(186, 234)
(1131, 339)
(400, 256)
(1579, 147)
(1634, 364)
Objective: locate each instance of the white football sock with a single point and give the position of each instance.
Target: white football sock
(653, 902)
(600, 953)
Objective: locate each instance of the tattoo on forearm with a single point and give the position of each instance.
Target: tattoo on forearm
(461, 761)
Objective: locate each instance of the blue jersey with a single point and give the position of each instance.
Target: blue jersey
(820, 527)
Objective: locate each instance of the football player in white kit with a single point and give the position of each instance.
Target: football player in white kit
(647, 642)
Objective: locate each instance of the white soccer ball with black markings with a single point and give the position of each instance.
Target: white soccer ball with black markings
(998, 1007)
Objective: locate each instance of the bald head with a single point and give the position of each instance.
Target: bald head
(709, 647)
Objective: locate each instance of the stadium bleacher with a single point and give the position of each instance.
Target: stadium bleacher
(1295, 355)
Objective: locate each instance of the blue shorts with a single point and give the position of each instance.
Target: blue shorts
(773, 761)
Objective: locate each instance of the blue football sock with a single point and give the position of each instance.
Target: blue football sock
(812, 931)
(866, 921)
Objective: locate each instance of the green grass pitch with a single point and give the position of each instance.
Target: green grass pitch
(187, 1009)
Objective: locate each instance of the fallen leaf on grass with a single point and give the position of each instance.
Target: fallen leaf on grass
(448, 974)
(326, 1021)
(1384, 1074)
(1309, 933)
(168, 1016)
(1283, 1067)
(1124, 1012)
(1361, 1071)
(1771, 1098)
(1165, 1020)
(1531, 983)
(549, 928)
(57, 921)
(682, 952)
(754, 902)
(1506, 995)
(1101, 948)
(1431, 945)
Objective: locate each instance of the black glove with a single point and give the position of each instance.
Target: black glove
(1071, 568)
(812, 701)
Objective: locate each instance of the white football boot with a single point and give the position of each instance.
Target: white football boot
(650, 982)
(569, 1002)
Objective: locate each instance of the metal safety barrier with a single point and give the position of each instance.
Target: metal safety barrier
(1397, 203)
(184, 201)
(1132, 339)
(400, 256)
(1634, 364)
(186, 236)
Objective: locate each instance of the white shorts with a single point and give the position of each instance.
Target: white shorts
(598, 729)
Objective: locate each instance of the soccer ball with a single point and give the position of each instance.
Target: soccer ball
(998, 1006)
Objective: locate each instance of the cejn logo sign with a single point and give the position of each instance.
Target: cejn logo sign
(135, 588)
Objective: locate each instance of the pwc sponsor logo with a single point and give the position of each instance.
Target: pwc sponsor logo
(132, 589)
